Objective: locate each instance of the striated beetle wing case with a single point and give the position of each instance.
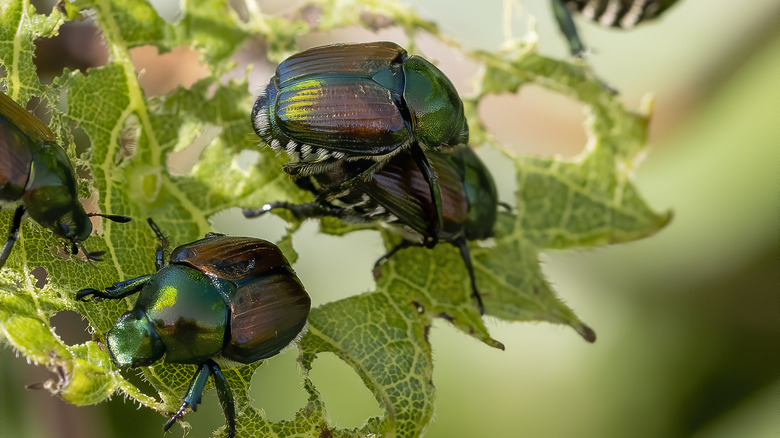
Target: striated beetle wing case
(269, 306)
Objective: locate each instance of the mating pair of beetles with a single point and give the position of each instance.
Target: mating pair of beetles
(375, 134)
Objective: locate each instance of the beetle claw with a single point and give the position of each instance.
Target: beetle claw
(94, 256)
(84, 293)
(175, 417)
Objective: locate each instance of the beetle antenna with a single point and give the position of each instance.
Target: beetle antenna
(113, 217)
(155, 228)
(505, 206)
(91, 256)
(162, 247)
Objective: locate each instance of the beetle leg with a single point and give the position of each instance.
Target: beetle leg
(195, 393)
(429, 174)
(382, 260)
(348, 185)
(568, 28)
(116, 290)
(159, 255)
(94, 256)
(113, 217)
(225, 396)
(13, 234)
(466, 256)
(193, 396)
(300, 211)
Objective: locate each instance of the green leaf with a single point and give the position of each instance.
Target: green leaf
(381, 334)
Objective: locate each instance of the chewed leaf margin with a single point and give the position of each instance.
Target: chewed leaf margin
(382, 334)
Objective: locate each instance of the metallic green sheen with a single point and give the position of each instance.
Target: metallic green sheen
(234, 297)
(481, 195)
(363, 100)
(50, 195)
(434, 105)
(355, 115)
(15, 159)
(187, 311)
(133, 341)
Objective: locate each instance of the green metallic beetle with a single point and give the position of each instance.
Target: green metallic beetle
(623, 14)
(360, 102)
(35, 171)
(398, 195)
(221, 297)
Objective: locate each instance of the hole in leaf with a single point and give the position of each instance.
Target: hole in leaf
(283, 8)
(59, 251)
(91, 206)
(78, 46)
(290, 9)
(40, 111)
(43, 7)
(209, 415)
(136, 377)
(167, 10)
(239, 7)
(70, 327)
(337, 266)
(376, 22)
(232, 221)
(128, 139)
(81, 141)
(536, 121)
(36, 413)
(194, 139)
(246, 159)
(253, 54)
(159, 74)
(121, 415)
(41, 276)
(88, 196)
(457, 67)
(348, 401)
(277, 386)
(312, 15)
(460, 69)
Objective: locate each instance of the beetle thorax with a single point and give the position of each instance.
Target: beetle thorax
(187, 311)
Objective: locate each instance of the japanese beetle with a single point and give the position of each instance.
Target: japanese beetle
(623, 14)
(221, 297)
(360, 102)
(398, 195)
(35, 171)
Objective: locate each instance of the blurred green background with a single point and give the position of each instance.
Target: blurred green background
(688, 320)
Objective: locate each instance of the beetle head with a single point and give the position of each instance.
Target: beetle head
(133, 341)
(434, 105)
(74, 225)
